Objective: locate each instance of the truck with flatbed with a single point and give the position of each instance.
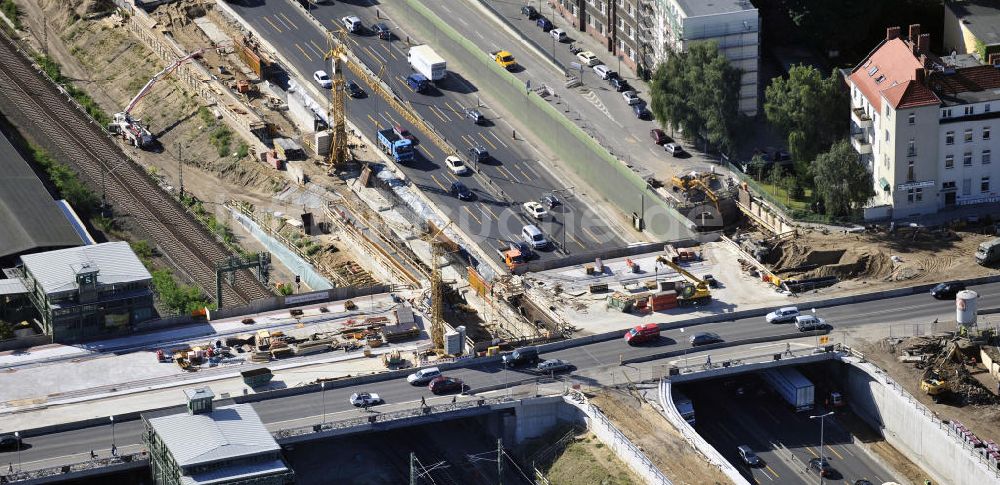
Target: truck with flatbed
(792, 386)
(512, 256)
(424, 60)
(400, 149)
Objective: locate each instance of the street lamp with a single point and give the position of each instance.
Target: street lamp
(113, 448)
(322, 386)
(17, 436)
(822, 457)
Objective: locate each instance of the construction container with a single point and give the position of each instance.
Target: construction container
(274, 161)
(664, 300)
(452, 343)
(257, 377)
(965, 307)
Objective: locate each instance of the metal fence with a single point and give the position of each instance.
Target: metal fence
(130, 459)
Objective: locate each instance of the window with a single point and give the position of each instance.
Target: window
(886, 135)
(968, 110)
(967, 159)
(946, 113)
(966, 186)
(909, 171)
(984, 184)
(987, 154)
(949, 138)
(911, 148)
(949, 161)
(968, 135)
(912, 118)
(948, 185)
(986, 109)
(914, 195)
(887, 112)
(986, 132)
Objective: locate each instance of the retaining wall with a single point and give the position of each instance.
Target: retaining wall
(912, 428)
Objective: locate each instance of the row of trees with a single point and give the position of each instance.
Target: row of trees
(698, 91)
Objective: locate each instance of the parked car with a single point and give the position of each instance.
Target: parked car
(474, 115)
(619, 84)
(821, 466)
(704, 338)
(640, 111)
(382, 31)
(631, 97)
(423, 376)
(805, 323)
(602, 71)
(642, 334)
(553, 365)
(352, 24)
(783, 314)
(9, 441)
(673, 149)
(479, 153)
(354, 90)
(441, 385)
(323, 79)
(559, 35)
(529, 11)
(544, 24)
(550, 200)
(588, 58)
(712, 282)
(365, 399)
(748, 456)
(403, 132)
(521, 356)
(534, 209)
(456, 165)
(458, 189)
(947, 291)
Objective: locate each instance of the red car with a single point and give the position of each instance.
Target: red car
(658, 136)
(402, 132)
(441, 385)
(642, 333)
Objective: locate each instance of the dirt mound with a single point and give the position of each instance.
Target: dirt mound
(854, 265)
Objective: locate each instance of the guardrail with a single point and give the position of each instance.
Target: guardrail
(120, 461)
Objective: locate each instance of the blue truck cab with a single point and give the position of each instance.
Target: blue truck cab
(400, 149)
(418, 82)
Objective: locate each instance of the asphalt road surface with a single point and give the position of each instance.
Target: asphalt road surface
(513, 166)
(592, 360)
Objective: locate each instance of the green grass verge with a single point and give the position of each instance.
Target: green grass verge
(175, 297)
(10, 10)
(53, 70)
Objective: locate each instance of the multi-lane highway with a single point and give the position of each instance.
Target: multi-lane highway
(592, 361)
(514, 166)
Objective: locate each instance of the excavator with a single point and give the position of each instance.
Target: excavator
(935, 379)
(687, 180)
(695, 292)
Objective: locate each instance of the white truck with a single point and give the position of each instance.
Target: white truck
(424, 60)
(684, 407)
(988, 252)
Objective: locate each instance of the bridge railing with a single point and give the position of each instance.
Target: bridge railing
(118, 460)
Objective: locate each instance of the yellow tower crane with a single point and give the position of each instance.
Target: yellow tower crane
(337, 51)
(437, 289)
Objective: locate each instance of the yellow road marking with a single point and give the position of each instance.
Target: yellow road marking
(393, 54)
(526, 177)
(393, 120)
(452, 108)
(370, 51)
(468, 140)
(810, 450)
(437, 182)
(289, 20)
(272, 24)
(438, 115)
(471, 214)
(772, 471)
(834, 450)
(598, 241)
(488, 209)
(487, 140)
(355, 42)
(314, 44)
(573, 237)
(510, 176)
(303, 51)
(450, 176)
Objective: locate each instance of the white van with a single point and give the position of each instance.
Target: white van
(786, 314)
(533, 236)
(602, 71)
(805, 323)
(559, 35)
(423, 376)
(352, 24)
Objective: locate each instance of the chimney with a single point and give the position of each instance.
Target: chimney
(924, 43)
(919, 75)
(891, 33)
(914, 32)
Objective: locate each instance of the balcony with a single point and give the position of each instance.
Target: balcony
(860, 143)
(860, 118)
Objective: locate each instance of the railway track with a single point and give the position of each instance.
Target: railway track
(88, 148)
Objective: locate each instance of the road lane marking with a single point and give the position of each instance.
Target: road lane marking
(810, 450)
(490, 210)
(318, 48)
(532, 170)
(573, 237)
(497, 138)
(772, 471)
(374, 121)
(468, 140)
(303, 51)
(438, 115)
(471, 214)
(452, 108)
(526, 176)
(594, 237)
(834, 450)
(375, 54)
(487, 140)
(288, 20)
(319, 52)
(272, 24)
(510, 176)
(438, 182)
(723, 428)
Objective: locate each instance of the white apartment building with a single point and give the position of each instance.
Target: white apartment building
(926, 127)
(734, 24)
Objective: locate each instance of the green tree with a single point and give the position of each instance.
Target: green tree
(286, 289)
(843, 181)
(811, 111)
(698, 91)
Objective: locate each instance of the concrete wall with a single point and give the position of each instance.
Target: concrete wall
(912, 428)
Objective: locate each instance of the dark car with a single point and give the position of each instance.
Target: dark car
(619, 84)
(821, 466)
(458, 189)
(640, 111)
(712, 282)
(530, 12)
(748, 456)
(474, 115)
(544, 24)
(705, 338)
(658, 136)
(521, 356)
(947, 291)
(611, 75)
(382, 31)
(550, 200)
(440, 385)
(479, 154)
(863, 481)
(9, 441)
(354, 90)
